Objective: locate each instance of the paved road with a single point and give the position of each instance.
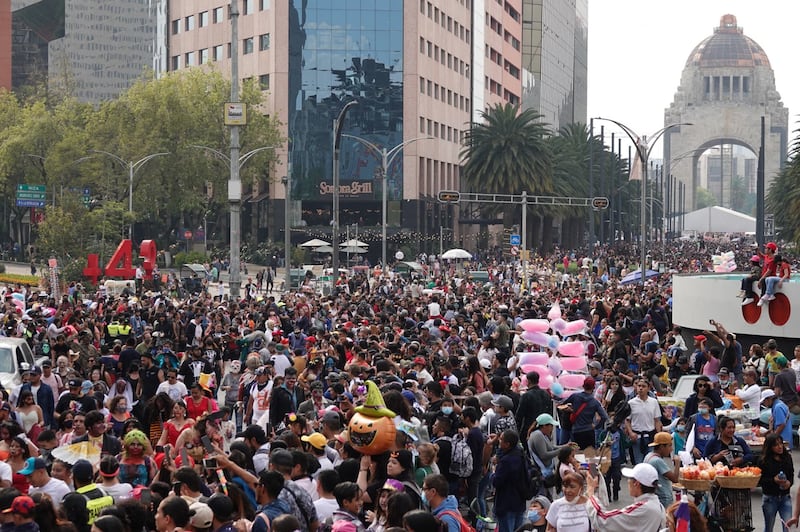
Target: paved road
(22, 268)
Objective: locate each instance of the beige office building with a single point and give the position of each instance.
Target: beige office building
(417, 68)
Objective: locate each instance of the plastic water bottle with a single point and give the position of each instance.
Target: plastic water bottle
(781, 476)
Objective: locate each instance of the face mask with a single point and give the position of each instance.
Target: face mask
(533, 516)
(681, 428)
(723, 384)
(702, 411)
(447, 410)
(424, 499)
(121, 409)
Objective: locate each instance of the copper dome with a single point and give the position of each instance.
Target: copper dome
(728, 47)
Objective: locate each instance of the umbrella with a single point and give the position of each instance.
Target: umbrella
(636, 275)
(78, 451)
(352, 249)
(456, 253)
(323, 249)
(355, 243)
(314, 243)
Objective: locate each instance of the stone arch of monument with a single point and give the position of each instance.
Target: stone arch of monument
(727, 85)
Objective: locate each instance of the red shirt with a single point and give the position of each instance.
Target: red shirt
(195, 410)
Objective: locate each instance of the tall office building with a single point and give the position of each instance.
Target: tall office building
(419, 69)
(555, 42)
(5, 44)
(93, 49)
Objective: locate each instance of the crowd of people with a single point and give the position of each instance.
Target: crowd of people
(147, 412)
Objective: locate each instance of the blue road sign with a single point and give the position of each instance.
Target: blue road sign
(29, 203)
(515, 240)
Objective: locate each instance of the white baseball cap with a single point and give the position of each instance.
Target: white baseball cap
(766, 394)
(645, 474)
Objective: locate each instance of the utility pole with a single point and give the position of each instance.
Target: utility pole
(235, 183)
(338, 124)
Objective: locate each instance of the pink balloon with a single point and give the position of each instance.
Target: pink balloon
(554, 365)
(534, 359)
(572, 380)
(558, 325)
(546, 381)
(573, 327)
(555, 312)
(543, 371)
(571, 349)
(531, 325)
(538, 338)
(573, 363)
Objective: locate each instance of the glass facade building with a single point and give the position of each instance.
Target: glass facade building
(555, 59)
(351, 52)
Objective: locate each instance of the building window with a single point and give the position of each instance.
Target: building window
(203, 19)
(204, 56)
(229, 50)
(247, 46)
(176, 62)
(430, 87)
(421, 125)
(430, 49)
(421, 45)
(263, 42)
(217, 53)
(422, 6)
(263, 82)
(422, 85)
(190, 23)
(513, 13)
(219, 15)
(176, 27)
(190, 59)
(247, 7)
(263, 5)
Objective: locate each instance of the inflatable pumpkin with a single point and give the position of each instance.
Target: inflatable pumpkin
(371, 429)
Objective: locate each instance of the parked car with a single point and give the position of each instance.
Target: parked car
(15, 358)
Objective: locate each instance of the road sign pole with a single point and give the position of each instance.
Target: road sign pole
(524, 240)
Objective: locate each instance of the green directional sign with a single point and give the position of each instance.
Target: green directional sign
(31, 195)
(31, 188)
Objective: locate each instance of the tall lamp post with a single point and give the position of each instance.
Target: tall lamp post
(643, 148)
(133, 167)
(240, 161)
(386, 158)
(338, 124)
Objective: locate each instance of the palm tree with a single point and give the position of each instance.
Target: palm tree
(783, 197)
(507, 153)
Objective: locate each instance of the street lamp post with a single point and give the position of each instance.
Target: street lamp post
(240, 162)
(287, 220)
(643, 149)
(133, 167)
(338, 124)
(387, 158)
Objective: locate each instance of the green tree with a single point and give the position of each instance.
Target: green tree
(507, 153)
(705, 198)
(783, 196)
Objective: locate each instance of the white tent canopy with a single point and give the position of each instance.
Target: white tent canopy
(719, 220)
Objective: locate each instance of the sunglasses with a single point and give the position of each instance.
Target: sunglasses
(702, 385)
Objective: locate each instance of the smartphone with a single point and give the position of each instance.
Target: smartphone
(184, 458)
(207, 444)
(269, 430)
(210, 463)
(593, 469)
(146, 497)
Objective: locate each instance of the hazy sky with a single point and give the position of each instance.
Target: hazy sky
(638, 48)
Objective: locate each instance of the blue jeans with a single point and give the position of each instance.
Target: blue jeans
(509, 522)
(483, 485)
(771, 282)
(776, 504)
